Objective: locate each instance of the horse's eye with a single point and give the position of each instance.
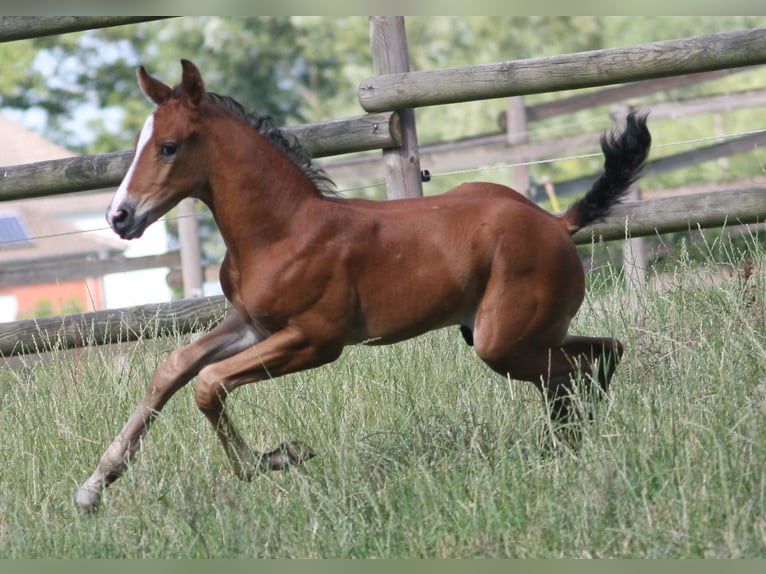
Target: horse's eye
(168, 150)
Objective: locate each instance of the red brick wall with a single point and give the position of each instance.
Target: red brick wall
(57, 299)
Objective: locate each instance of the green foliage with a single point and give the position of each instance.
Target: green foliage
(423, 452)
(18, 85)
(294, 68)
(458, 41)
(43, 308)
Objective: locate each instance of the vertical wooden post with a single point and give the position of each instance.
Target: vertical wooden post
(191, 257)
(516, 130)
(634, 252)
(723, 162)
(388, 42)
(634, 259)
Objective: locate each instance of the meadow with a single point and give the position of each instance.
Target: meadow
(422, 451)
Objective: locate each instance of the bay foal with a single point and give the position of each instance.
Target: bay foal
(308, 273)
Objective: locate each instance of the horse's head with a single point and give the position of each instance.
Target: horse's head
(168, 162)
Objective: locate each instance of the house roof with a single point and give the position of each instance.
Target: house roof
(22, 145)
(50, 234)
(49, 237)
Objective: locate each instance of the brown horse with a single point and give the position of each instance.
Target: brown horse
(308, 273)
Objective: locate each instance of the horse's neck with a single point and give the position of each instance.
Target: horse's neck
(254, 189)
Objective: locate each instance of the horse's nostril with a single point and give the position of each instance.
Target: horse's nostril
(121, 219)
(119, 216)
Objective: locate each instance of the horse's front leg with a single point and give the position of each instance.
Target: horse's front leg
(228, 338)
(284, 352)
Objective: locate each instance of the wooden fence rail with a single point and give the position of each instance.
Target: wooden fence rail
(670, 163)
(565, 72)
(639, 218)
(650, 217)
(24, 27)
(361, 133)
(621, 93)
(13, 274)
(111, 326)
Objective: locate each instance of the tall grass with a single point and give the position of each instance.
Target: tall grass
(422, 451)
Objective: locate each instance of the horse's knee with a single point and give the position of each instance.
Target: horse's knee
(496, 351)
(594, 358)
(207, 391)
(170, 372)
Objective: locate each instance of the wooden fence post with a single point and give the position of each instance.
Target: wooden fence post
(516, 131)
(634, 258)
(388, 42)
(191, 257)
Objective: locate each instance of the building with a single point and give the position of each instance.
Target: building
(46, 245)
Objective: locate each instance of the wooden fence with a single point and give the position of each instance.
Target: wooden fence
(493, 149)
(69, 175)
(382, 96)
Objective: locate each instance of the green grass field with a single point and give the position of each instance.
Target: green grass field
(422, 451)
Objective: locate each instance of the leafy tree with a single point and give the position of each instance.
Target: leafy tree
(293, 68)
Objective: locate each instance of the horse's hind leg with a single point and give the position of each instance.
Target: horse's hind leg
(556, 371)
(590, 360)
(597, 357)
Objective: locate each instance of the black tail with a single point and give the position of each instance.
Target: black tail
(625, 154)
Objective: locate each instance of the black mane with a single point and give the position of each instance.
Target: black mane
(286, 143)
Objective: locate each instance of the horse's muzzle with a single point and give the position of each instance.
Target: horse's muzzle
(124, 222)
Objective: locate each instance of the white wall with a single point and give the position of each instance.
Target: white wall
(134, 287)
(8, 308)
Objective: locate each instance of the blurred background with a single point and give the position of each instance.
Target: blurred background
(76, 93)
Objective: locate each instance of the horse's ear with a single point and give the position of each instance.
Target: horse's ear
(155, 90)
(192, 83)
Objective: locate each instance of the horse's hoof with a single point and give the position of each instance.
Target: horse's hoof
(87, 498)
(297, 451)
(288, 454)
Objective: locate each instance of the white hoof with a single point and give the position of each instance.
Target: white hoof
(87, 497)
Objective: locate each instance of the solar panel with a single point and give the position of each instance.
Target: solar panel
(13, 231)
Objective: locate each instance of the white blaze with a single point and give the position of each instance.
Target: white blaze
(122, 192)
